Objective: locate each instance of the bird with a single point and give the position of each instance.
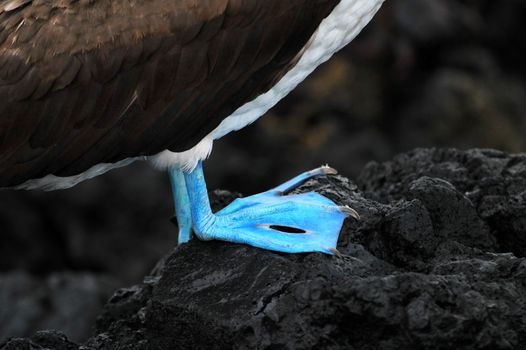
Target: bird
(87, 86)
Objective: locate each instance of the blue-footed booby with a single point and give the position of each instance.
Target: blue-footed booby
(90, 85)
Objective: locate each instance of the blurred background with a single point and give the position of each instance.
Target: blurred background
(424, 73)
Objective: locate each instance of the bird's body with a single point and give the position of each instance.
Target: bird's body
(90, 85)
(86, 86)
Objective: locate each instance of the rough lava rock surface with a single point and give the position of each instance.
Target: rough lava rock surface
(436, 263)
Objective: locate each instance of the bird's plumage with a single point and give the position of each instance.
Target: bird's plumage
(89, 81)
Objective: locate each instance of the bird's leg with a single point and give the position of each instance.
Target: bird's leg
(182, 205)
(307, 222)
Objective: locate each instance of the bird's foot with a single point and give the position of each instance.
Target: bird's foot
(275, 220)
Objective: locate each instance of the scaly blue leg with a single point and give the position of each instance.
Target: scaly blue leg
(306, 222)
(182, 205)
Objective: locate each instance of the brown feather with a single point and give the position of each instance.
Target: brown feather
(91, 81)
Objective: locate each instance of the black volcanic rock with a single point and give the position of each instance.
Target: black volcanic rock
(428, 267)
(491, 183)
(43, 340)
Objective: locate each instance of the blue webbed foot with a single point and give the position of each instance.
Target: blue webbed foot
(274, 220)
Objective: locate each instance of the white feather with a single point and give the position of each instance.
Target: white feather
(52, 182)
(187, 160)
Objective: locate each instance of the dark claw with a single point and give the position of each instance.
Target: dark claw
(327, 170)
(335, 252)
(350, 212)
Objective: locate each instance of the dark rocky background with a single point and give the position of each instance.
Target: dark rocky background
(443, 73)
